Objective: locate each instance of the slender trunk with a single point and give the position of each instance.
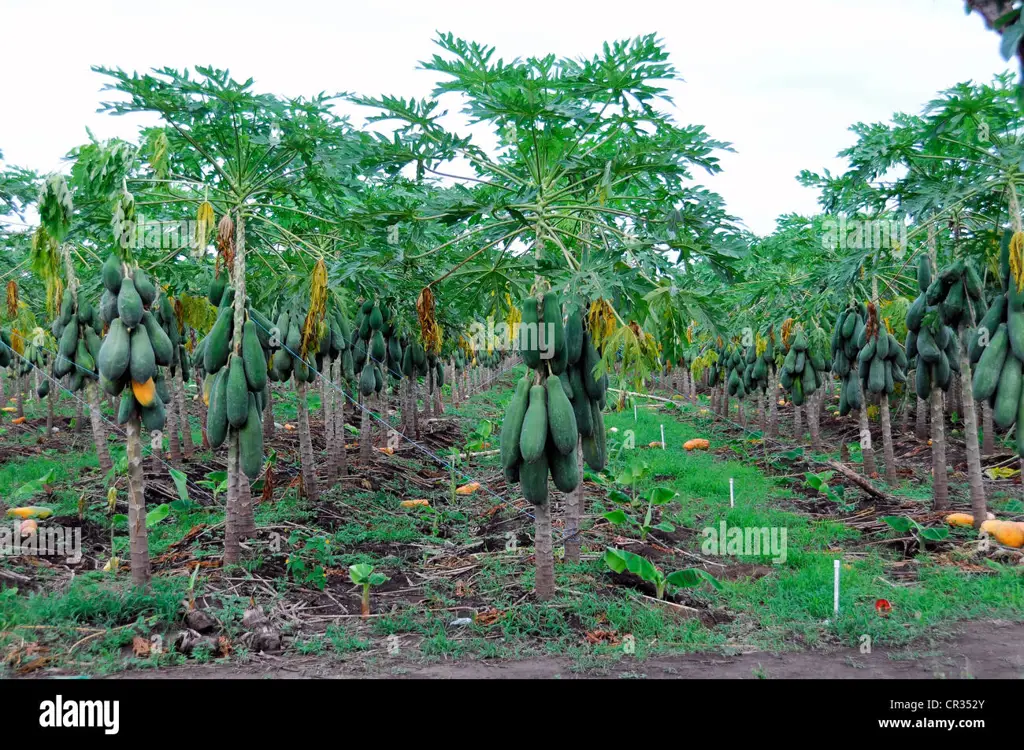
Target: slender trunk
(887, 449)
(234, 524)
(544, 579)
(268, 416)
(904, 410)
(813, 414)
(414, 406)
(245, 515)
(340, 434)
(171, 427)
(20, 387)
(365, 441)
(867, 448)
(79, 413)
(977, 490)
(574, 503)
(232, 530)
(940, 482)
(186, 424)
(137, 537)
(741, 412)
(49, 410)
(773, 402)
(306, 457)
(988, 446)
(328, 409)
(99, 432)
(761, 418)
(921, 417)
(798, 424)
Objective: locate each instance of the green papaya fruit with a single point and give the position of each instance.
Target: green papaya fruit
(154, 415)
(927, 348)
(129, 304)
(924, 273)
(564, 469)
(126, 409)
(115, 352)
(250, 440)
(142, 365)
(534, 433)
(111, 275)
(145, 288)
(512, 424)
(237, 405)
(533, 478)
(1004, 411)
(529, 334)
(69, 339)
(163, 351)
(254, 361)
(216, 413)
(367, 382)
(218, 342)
(574, 335)
(561, 419)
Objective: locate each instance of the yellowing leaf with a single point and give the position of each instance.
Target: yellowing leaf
(1001, 472)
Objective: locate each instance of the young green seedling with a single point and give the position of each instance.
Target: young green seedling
(657, 496)
(363, 575)
(619, 561)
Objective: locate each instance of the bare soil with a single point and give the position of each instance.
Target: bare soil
(992, 650)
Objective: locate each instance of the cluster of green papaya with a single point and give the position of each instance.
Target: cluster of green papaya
(931, 322)
(556, 407)
(76, 328)
(849, 330)
(180, 359)
(33, 356)
(135, 344)
(718, 373)
(757, 369)
(881, 362)
(236, 383)
(5, 349)
(802, 369)
(997, 350)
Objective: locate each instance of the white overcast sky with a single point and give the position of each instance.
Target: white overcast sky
(782, 81)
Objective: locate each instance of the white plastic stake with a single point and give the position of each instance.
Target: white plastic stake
(663, 437)
(732, 494)
(835, 594)
(634, 412)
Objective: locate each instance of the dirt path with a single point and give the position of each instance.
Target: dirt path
(991, 650)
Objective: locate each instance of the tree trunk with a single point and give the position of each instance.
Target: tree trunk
(234, 523)
(232, 530)
(172, 428)
(327, 406)
(888, 454)
(20, 387)
(813, 415)
(49, 410)
(340, 434)
(574, 502)
(940, 482)
(99, 433)
(970, 414)
(306, 457)
(137, 536)
(365, 439)
(79, 412)
(544, 578)
(186, 424)
(798, 424)
(761, 415)
(988, 446)
(921, 417)
(246, 516)
(268, 415)
(773, 403)
(867, 448)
